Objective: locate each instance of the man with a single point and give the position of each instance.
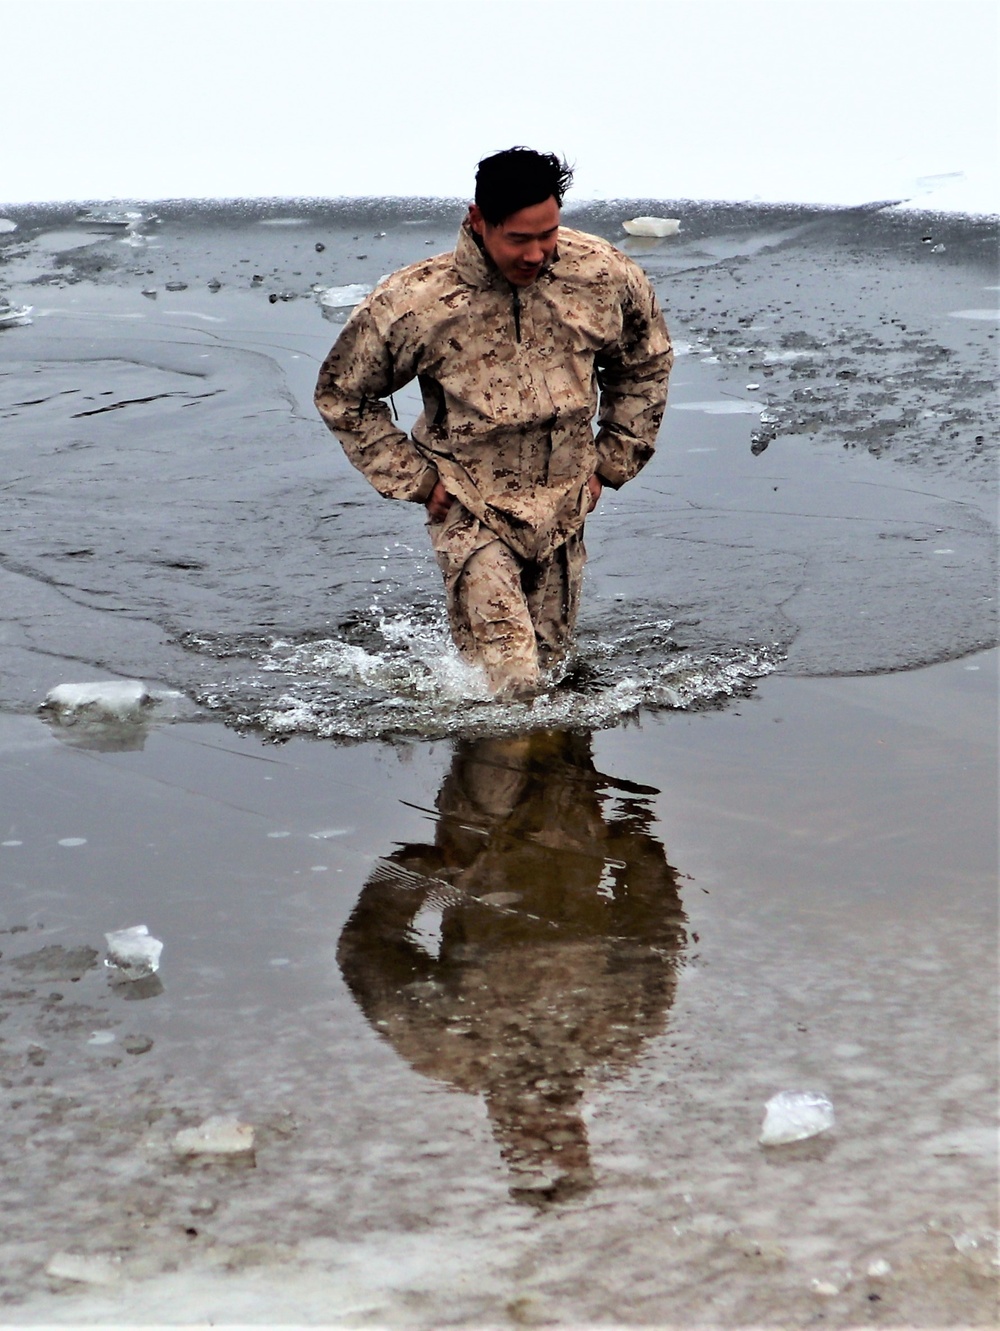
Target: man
(511, 338)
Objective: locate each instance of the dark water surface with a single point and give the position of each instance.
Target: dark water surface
(504, 1013)
(175, 511)
(501, 991)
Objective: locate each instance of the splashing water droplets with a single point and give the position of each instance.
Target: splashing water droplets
(398, 673)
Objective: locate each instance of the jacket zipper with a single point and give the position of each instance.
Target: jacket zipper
(517, 313)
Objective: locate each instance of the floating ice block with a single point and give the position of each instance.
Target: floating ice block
(11, 315)
(134, 951)
(86, 1268)
(342, 298)
(652, 226)
(792, 1116)
(120, 698)
(218, 1135)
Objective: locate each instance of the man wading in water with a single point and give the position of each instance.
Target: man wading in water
(516, 339)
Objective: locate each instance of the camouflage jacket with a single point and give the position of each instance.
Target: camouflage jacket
(509, 379)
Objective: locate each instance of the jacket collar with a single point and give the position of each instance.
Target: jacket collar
(477, 268)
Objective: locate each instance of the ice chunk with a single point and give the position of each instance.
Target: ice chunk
(826, 1289)
(965, 1243)
(500, 899)
(722, 407)
(108, 714)
(7, 225)
(986, 315)
(218, 1135)
(111, 219)
(89, 1270)
(342, 298)
(792, 1116)
(134, 952)
(427, 930)
(11, 315)
(652, 226)
(116, 698)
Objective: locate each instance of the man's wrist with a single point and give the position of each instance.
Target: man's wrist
(425, 489)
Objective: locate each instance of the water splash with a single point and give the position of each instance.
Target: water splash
(400, 675)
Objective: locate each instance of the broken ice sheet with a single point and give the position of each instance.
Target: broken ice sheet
(134, 953)
(794, 1116)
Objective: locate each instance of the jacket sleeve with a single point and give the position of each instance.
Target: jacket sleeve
(632, 377)
(363, 367)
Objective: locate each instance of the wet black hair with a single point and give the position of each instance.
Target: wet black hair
(519, 178)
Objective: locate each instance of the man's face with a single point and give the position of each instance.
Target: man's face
(523, 242)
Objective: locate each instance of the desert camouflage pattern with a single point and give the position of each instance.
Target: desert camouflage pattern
(512, 617)
(562, 931)
(511, 380)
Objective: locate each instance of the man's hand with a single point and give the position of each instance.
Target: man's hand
(438, 503)
(595, 486)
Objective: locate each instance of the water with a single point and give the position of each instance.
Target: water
(501, 991)
(175, 511)
(513, 1004)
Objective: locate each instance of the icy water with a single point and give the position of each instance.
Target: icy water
(174, 510)
(504, 1013)
(501, 991)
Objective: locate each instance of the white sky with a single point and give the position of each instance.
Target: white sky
(823, 101)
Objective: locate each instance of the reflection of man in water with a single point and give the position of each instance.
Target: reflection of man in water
(535, 940)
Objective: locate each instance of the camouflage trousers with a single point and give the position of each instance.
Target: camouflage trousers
(514, 617)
